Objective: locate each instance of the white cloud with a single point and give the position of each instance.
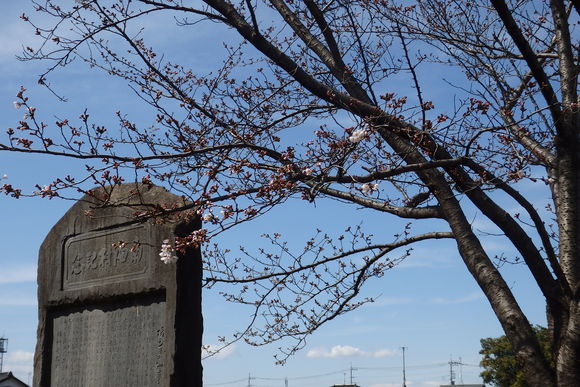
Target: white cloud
(213, 351)
(385, 353)
(348, 351)
(16, 274)
(336, 351)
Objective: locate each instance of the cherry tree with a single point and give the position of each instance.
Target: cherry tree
(337, 100)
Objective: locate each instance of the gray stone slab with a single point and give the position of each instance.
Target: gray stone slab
(110, 312)
(93, 259)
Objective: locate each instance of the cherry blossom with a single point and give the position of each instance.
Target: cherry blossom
(358, 135)
(367, 188)
(167, 253)
(283, 119)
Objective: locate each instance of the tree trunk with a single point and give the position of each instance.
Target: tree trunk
(568, 356)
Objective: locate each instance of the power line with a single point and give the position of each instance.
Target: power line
(432, 365)
(225, 383)
(318, 376)
(289, 379)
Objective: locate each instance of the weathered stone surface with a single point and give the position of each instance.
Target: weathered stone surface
(110, 312)
(92, 258)
(102, 347)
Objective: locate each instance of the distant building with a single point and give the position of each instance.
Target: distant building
(462, 385)
(9, 380)
(345, 385)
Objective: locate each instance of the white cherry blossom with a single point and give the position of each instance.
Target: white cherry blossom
(358, 135)
(367, 188)
(167, 253)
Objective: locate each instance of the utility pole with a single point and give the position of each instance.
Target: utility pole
(451, 375)
(3, 350)
(404, 371)
(286, 382)
(351, 377)
(451, 372)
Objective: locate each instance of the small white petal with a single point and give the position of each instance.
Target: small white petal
(358, 135)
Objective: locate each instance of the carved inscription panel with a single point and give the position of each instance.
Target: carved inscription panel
(104, 257)
(109, 348)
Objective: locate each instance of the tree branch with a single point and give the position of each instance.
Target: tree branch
(530, 58)
(403, 212)
(384, 248)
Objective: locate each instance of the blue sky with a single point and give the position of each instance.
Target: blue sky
(429, 304)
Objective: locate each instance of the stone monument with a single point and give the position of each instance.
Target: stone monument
(111, 313)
